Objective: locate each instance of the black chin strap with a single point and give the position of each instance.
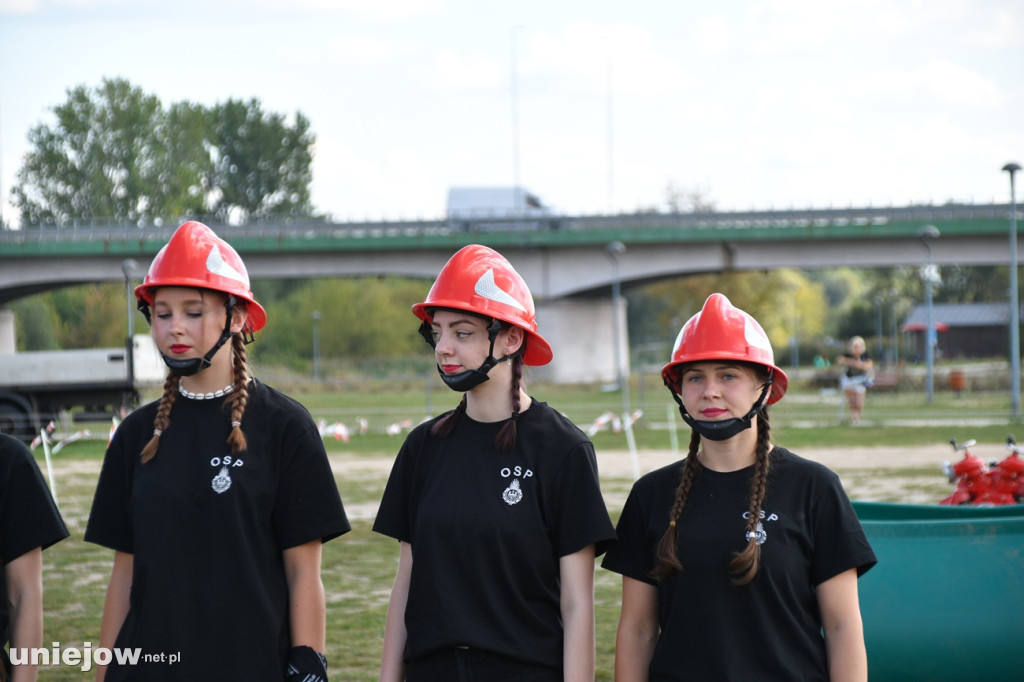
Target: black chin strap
(725, 428)
(471, 378)
(192, 366)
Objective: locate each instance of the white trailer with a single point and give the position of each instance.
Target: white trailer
(97, 383)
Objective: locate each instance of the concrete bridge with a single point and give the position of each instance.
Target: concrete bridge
(564, 259)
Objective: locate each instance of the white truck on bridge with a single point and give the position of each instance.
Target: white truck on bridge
(497, 208)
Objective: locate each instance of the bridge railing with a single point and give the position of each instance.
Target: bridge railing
(160, 229)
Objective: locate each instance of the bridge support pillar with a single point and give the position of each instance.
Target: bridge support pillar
(582, 335)
(8, 340)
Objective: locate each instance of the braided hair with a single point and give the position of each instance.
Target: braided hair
(506, 438)
(240, 396)
(239, 400)
(744, 565)
(163, 416)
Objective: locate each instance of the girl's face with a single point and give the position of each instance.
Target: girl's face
(188, 322)
(461, 342)
(712, 391)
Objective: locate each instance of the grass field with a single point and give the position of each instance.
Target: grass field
(359, 567)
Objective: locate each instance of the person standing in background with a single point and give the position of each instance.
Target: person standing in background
(856, 377)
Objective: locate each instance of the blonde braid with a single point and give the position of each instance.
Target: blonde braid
(240, 396)
(667, 557)
(163, 416)
(744, 564)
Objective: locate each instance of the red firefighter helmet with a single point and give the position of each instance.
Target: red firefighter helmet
(721, 331)
(196, 257)
(479, 280)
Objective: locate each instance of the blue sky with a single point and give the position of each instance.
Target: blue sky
(755, 104)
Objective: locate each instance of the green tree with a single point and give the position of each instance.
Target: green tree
(91, 315)
(775, 299)
(116, 153)
(261, 166)
(36, 323)
(360, 318)
(687, 200)
(107, 156)
(974, 284)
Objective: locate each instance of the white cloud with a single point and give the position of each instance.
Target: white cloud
(18, 6)
(1004, 30)
(938, 81)
(757, 102)
(452, 70)
(360, 49)
(382, 8)
(715, 34)
(578, 59)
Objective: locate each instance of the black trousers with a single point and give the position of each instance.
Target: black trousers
(476, 665)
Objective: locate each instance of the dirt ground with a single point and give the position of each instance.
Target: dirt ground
(911, 475)
(619, 463)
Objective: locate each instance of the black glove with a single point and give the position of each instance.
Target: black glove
(306, 665)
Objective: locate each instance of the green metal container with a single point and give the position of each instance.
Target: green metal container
(946, 600)
(889, 511)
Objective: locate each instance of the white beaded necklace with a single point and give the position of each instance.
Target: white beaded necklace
(205, 396)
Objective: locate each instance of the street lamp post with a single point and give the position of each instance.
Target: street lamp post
(794, 341)
(881, 342)
(893, 294)
(1012, 168)
(614, 250)
(128, 268)
(514, 90)
(924, 234)
(316, 345)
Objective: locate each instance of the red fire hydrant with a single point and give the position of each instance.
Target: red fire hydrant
(978, 484)
(1008, 475)
(969, 474)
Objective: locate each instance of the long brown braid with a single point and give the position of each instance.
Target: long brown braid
(744, 565)
(506, 439)
(240, 396)
(163, 416)
(446, 424)
(667, 557)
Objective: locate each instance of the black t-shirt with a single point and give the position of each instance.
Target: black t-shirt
(207, 530)
(28, 516)
(852, 371)
(769, 629)
(487, 531)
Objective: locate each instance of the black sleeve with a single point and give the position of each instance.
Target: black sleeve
(839, 540)
(579, 509)
(308, 505)
(28, 516)
(633, 555)
(110, 520)
(394, 516)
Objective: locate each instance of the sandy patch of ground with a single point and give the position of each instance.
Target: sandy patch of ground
(909, 477)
